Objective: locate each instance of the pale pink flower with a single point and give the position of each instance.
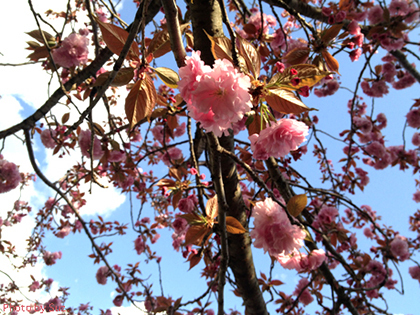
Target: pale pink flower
(413, 117)
(399, 7)
(85, 145)
(255, 19)
(389, 72)
(53, 305)
(399, 248)
(416, 139)
(63, 232)
(186, 205)
(314, 259)
(190, 75)
(354, 28)
(302, 291)
(328, 88)
(273, 231)
(376, 89)
(355, 54)
(279, 139)
(139, 245)
(363, 123)
(73, 51)
(116, 156)
(9, 175)
(47, 136)
(327, 215)
(368, 233)
(50, 258)
(179, 225)
(382, 121)
(34, 286)
(278, 41)
(340, 16)
(390, 43)
(158, 134)
(364, 179)
(220, 98)
(291, 261)
(413, 14)
(180, 130)
(171, 155)
(375, 14)
(414, 272)
(406, 81)
(102, 274)
(101, 15)
(376, 149)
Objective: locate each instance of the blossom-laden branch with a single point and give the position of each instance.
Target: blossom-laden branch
(81, 76)
(41, 175)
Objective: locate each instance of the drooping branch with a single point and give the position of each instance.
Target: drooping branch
(86, 73)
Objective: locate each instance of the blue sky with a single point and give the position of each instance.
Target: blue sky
(389, 192)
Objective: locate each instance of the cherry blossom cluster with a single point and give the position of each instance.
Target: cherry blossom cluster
(9, 175)
(216, 97)
(278, 139)
(73, 51)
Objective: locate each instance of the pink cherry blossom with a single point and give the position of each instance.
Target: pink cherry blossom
(85, 145)
(375, 14)
(363, 123)
(399, 248)
(34, 286)
(415, 140)
(414, 272)
(291, 261)
(376, 89)
(220, 98)
(187, 205)
(73, 51)
(279, 139)
(328, 88)
(63, 232)
(255, 19)
(179, 225)
(305, 296)
(47, 136)
(116, 156)
(190, 75)
(354, 28)
(53, 305)
(273, 231)
(139, 245)
(376, 149)
(382, 120)
(171, 155)
(50, 258)
(355, 54)
(9, 175)
(118, 300)
(102, 274)
(413, 117)
(326, 215)
(398, 7)
(404, 82)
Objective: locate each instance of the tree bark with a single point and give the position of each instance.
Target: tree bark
(206, 15)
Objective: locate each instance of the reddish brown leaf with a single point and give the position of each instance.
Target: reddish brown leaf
(331, 33)
(65, 118)
(175, 199)
(195, 234)
(255, 125)
(212, 208)
(165, 182)
(221, 47)
(332, 63)
(123, 77)
(160, 44)
(194, 260)
(37, 35)
(251, 56)
(285, 101)
(297, 55)
(276, 282)
(140, 101)
(115, 38)
(193, 218)
(39, 53)
(234, 226)
(309, 75)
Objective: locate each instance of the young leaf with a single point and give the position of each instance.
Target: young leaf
(168, 76)
(297, 55)
(160, 44)
(38, 36)
(122, 78)
(331, 33)
(221, 47)
(332, 63)
(234, 226)
(309, 75)
(285, 101)
(212, 209)
(296, 204)
(195, 234)
(115, 38)
(175, 199)
(251, 56)
(194, 260)
(140, 101)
